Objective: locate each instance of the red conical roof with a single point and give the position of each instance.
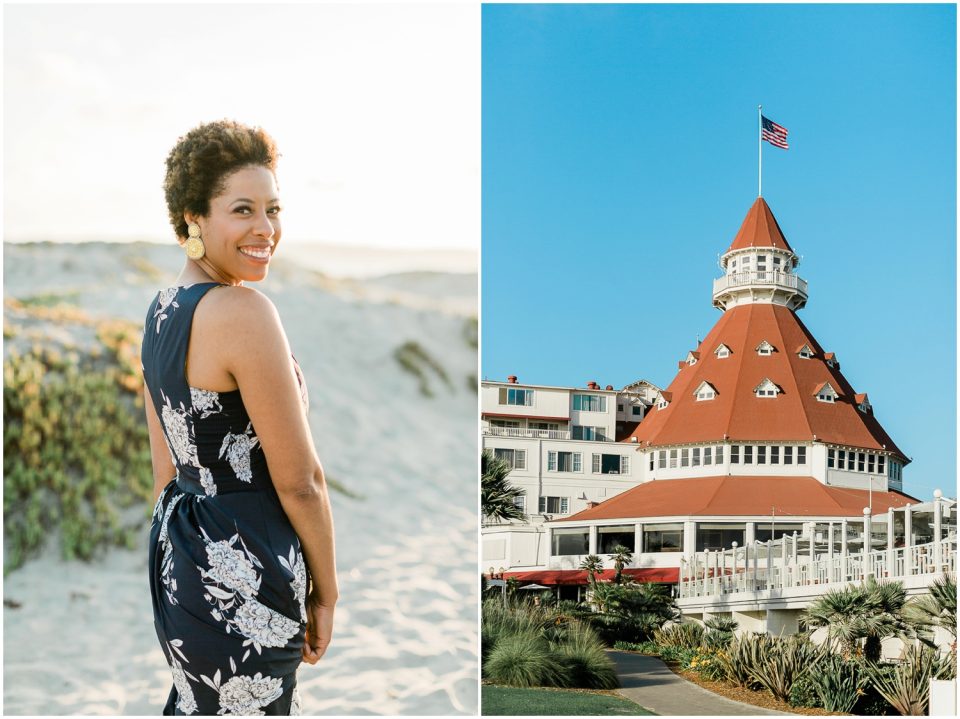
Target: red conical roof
(760, 229)
(736, 413)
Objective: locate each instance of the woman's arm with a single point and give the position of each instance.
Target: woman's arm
(163, 468)
(257, 355)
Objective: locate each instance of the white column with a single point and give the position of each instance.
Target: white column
(937, 529)
(867, 542)
(689, 538)
(592, 547)
(637, 542)
(735, 578)
(891, 528)
(843, 549)
(769, 564)
(756, 558)
(813, 554)
(908, 540)
(548, 534)
(750, 533)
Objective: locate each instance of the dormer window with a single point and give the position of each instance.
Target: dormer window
(863, 404)
(826, 393)
(705, 392)
(805, 352)
(765, 349)
(663, 399)
(722, 352)
(831, 359)
(692, 358)
(766, 389)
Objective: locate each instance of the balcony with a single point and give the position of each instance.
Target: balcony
(771, 279)
(527, 433)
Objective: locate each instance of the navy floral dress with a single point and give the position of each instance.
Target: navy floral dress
(227, 575)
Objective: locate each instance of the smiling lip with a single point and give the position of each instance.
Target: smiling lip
(257, 254)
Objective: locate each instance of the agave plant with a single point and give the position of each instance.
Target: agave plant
(786, 661)
(907, 685)
(838, 683)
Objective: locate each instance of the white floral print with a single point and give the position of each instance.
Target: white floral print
(205, 401)
(294, 564)
(295, 702)
(206, 481)
(165, 301)
(237, 448)
(186, 702)
(178, 432)
(245, 694)
(231, 567)
(166, 563)
(264, 626)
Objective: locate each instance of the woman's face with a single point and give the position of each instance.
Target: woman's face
(242, 230)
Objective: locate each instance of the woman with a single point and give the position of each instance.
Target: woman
(242, 517)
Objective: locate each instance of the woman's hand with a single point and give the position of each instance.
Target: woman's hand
(319, 629)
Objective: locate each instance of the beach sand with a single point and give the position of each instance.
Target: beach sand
(78, 637)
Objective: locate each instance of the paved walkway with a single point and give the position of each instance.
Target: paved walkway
(648, 682)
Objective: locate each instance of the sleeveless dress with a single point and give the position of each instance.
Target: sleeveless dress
(227, 576)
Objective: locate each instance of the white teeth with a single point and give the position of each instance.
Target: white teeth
(259, 254)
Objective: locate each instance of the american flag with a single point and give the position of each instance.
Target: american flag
(773, 133)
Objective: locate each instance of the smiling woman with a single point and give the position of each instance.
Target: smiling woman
(241, 555)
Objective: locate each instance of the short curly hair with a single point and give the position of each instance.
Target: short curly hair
(200, 162)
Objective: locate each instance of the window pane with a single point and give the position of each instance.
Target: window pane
(748, 454)
(708, 455)
(761, 455)
(775, 455)
(696, 457)
(801, 455)
(719, 459)
(571, 541)
(735, 454)
(788, 455)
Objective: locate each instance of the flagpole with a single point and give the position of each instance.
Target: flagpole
(760, 150)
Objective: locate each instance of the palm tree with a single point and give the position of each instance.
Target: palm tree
(497, 495)
(592, 564)
(621, 558)
(937, 609)
(870, 611)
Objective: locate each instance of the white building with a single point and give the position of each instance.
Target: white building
(758, 436)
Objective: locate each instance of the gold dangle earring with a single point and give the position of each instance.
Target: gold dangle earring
(194, 245)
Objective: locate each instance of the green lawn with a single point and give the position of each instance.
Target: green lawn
(555, 702)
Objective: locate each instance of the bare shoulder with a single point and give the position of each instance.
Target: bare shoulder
(239, 313)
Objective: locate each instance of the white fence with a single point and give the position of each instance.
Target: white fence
(780, 565)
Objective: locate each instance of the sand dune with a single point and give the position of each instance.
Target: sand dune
(81, 639)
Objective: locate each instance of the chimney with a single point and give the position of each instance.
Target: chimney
(512, 379)
(592, 385)
(609, 386)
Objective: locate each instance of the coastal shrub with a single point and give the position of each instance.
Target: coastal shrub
(648, 647)
(413, 358)
(688, 635)
(525, 660)
(803, 693)
(786, 661)
(838, 683)
(586, 662)
(76, 450)
(741, 656)
(706, 662)
(907, 685)
(719, 631)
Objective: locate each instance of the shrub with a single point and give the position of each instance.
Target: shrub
(706, 662)
(647, 647)
(682, 636)
(739, 658)
(803, 693)
(838, 683)
(786, 661)
(525, 660)
(719, 631)
(907, 685)
(76, 449)
(587, 665)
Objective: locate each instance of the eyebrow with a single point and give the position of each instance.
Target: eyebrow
(246, 199)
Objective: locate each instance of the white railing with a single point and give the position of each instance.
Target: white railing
(777, 565)
(779, 279)
(529, 433)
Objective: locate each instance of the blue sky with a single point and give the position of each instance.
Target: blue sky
(619, 157)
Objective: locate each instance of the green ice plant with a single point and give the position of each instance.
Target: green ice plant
(76, 451)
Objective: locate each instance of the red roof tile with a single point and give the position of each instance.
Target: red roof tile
(737, 414)
(740, 497)
(759, 229)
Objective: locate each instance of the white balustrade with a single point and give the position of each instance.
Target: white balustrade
(526, 433)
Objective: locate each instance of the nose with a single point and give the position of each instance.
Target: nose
(264, 226)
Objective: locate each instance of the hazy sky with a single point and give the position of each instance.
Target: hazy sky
(620, 158)
(375, 109)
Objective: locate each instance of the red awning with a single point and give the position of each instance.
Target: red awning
(579, 576)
